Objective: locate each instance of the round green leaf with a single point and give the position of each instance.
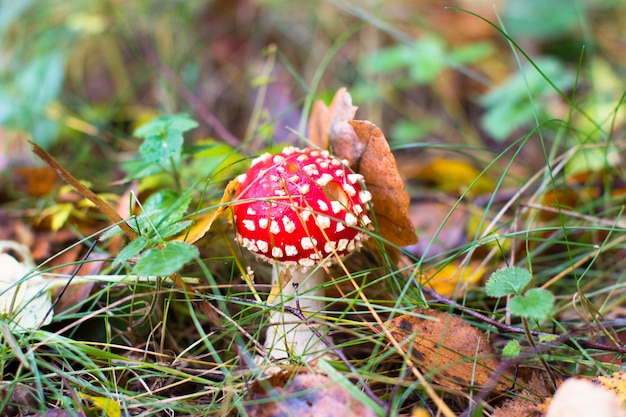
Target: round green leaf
(507, 281)
(536, 304)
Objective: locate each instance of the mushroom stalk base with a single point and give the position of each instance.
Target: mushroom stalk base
(288, 336)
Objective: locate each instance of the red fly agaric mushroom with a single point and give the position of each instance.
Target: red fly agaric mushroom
(299, 210)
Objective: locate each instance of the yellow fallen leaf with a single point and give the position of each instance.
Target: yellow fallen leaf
(455, 176)
(109, 406)
(452, 280)
(203, 223)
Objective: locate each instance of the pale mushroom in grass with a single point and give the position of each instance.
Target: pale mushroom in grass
(299, 210)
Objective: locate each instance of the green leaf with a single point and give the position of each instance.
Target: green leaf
(160, 148)
(180, 122)
(166, 260)
(170, 206)
(174, 229)
(512, 349)
(163, 137)
(547, 338)
(507, 281)
(509, 106)
(536, 304)
(130, 250)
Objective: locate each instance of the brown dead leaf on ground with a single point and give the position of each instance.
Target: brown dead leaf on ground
(456, 354)
(304, 395)
(35, 181)
(533, 393)
(365, 147)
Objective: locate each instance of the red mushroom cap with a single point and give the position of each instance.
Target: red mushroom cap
(299, 207)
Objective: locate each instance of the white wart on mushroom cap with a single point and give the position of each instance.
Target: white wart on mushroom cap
(300, 206)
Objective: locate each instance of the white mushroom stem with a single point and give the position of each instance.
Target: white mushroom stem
(288, 336)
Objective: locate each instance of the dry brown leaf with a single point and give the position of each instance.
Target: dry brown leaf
(517, 407)
(533, 394)
(319, 124)
(373, 159)
(456, 354)
(364, 146)
(304, 395)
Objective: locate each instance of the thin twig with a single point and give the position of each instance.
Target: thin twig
(104, 207)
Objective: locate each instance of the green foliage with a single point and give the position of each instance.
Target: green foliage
(523, 97)
(425, 59)
(507, 281)
(31, 81)
(163, 137)
(165, 260)
(512, 349)
(162, 217)
(536, 303)
(540, 19)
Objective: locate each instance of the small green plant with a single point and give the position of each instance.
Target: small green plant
(535, 303)
(532, 304)
(163, 137)
(163, 212)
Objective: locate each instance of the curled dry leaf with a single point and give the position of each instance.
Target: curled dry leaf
(456, 354)
(304, 395)
(364, 146)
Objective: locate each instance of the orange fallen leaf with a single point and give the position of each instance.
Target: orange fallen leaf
(453, 352)
(39, 180)
(378, 166)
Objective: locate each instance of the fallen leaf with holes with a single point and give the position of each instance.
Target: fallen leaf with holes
(455, 354)
(364, 146)
(581, 398)
(303, 395)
